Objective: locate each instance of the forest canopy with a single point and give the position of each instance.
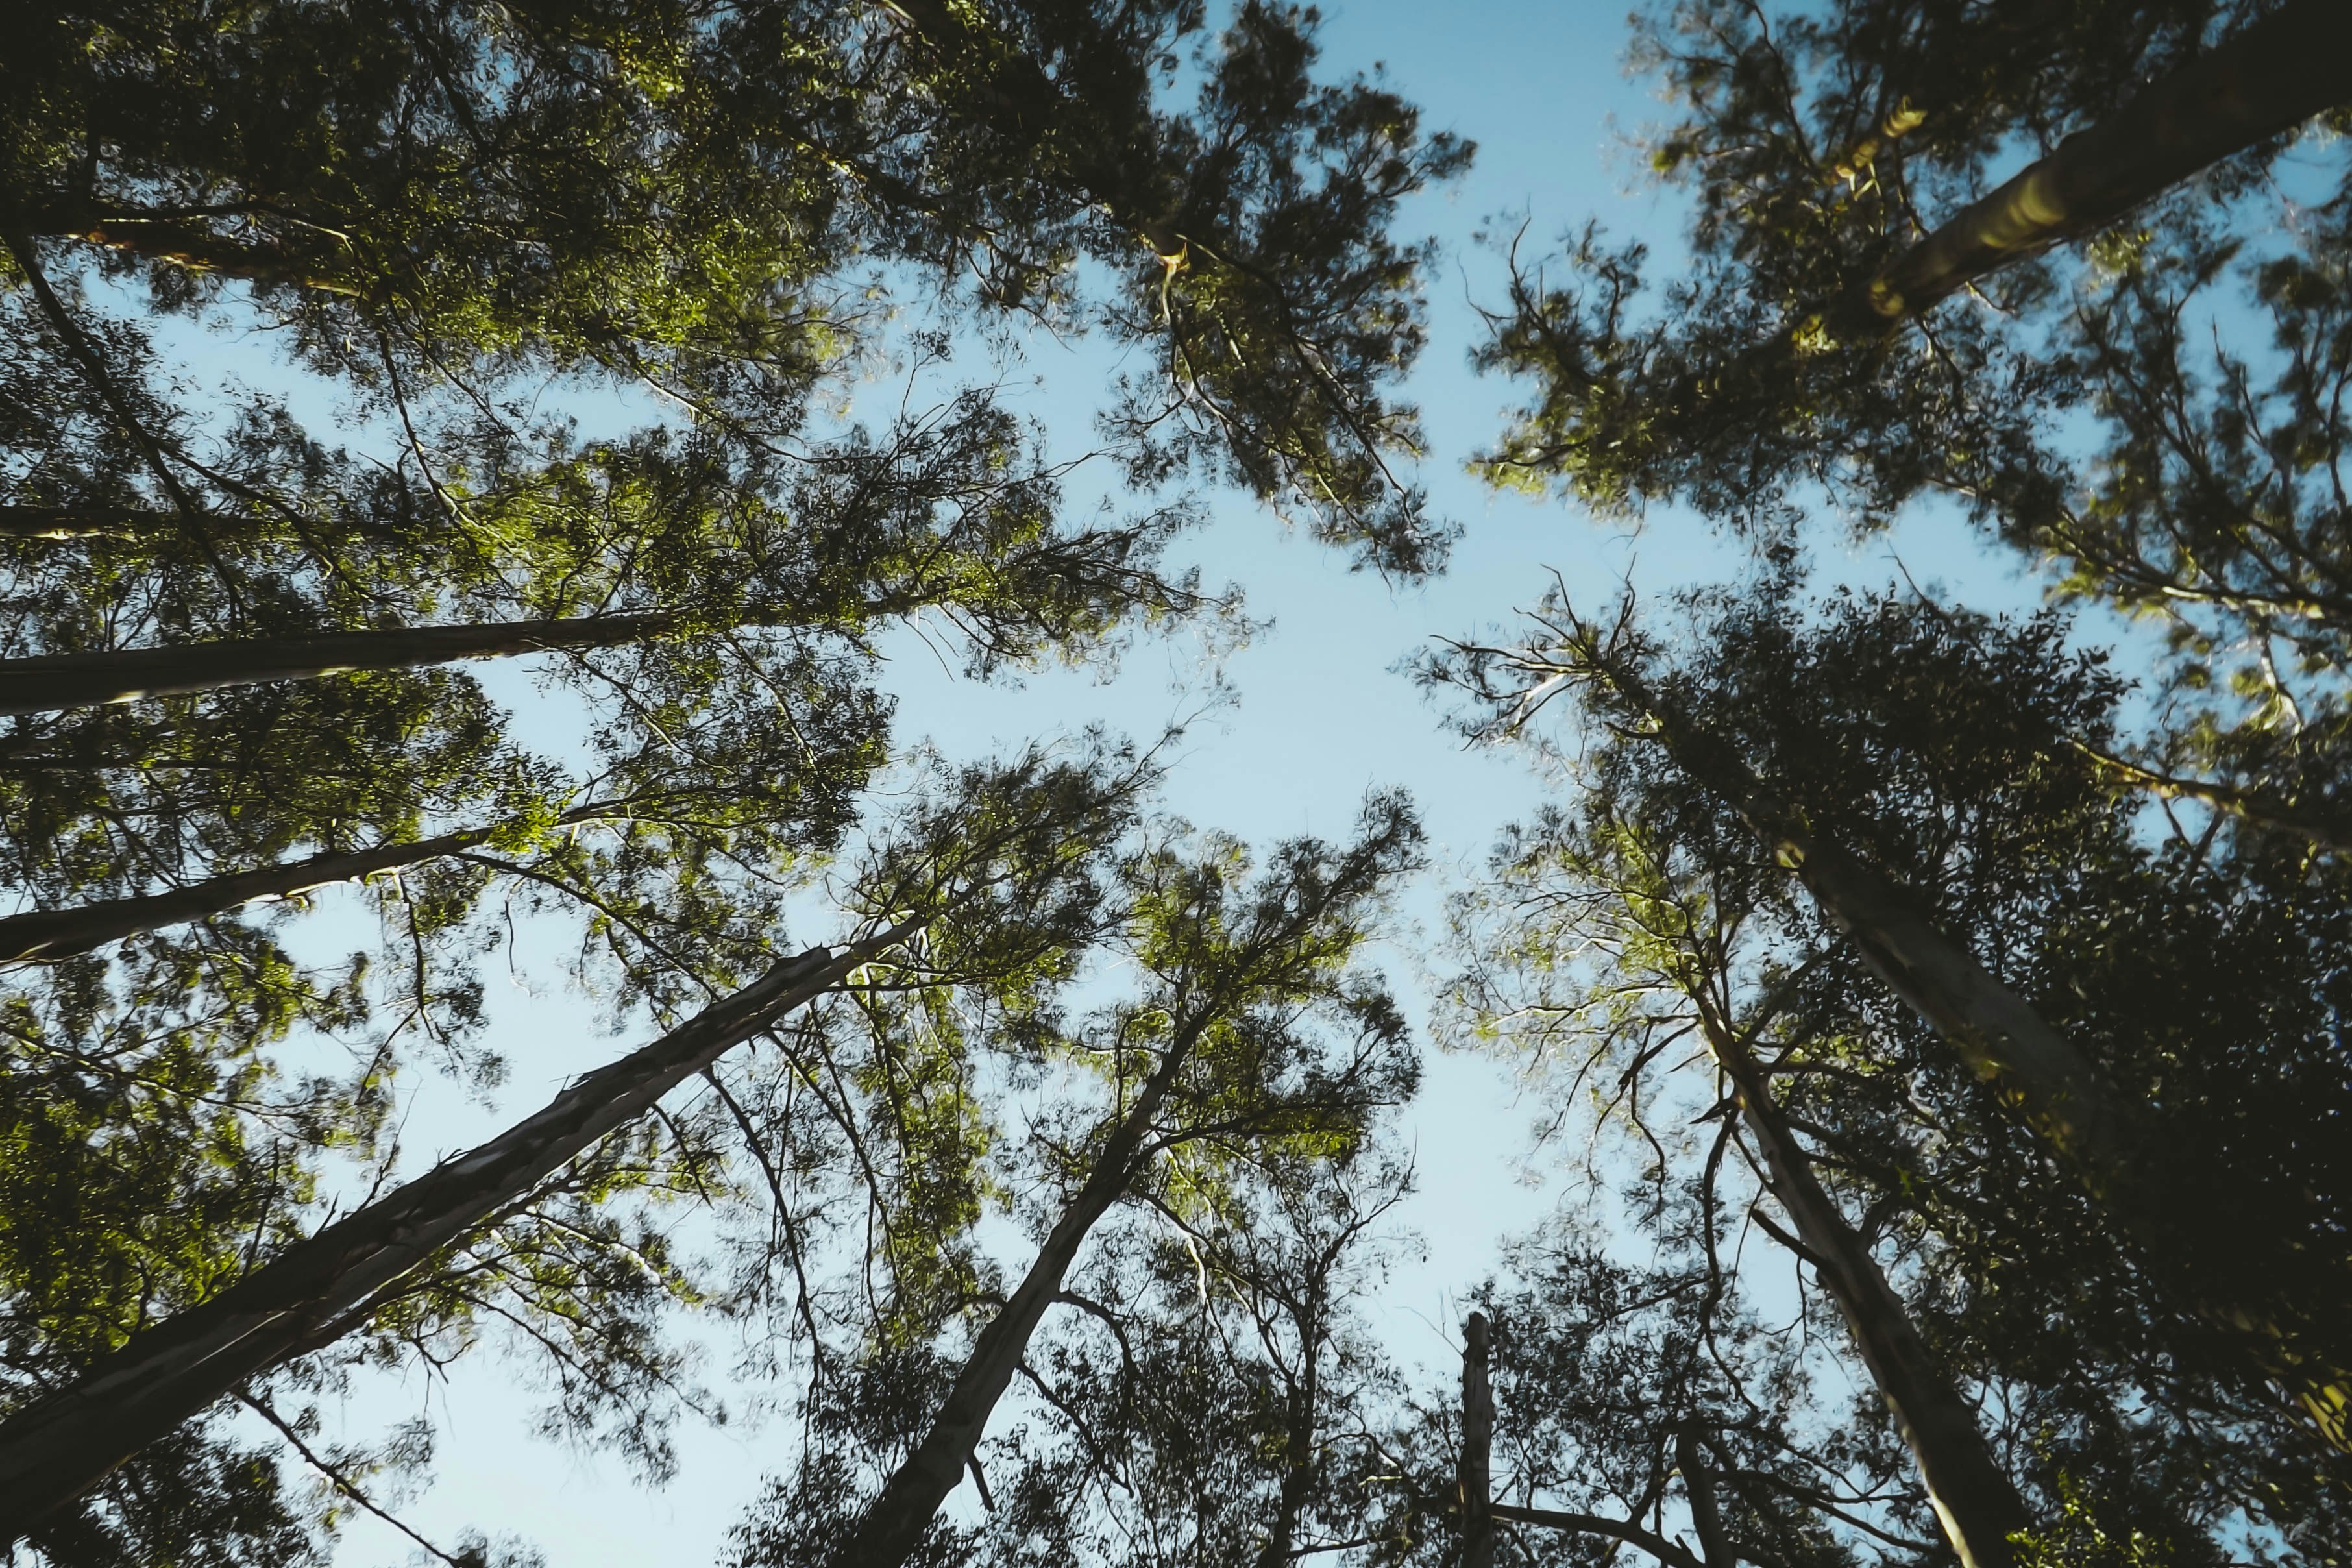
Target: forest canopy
(1020, 782)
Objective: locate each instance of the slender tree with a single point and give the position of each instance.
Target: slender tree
(1941, 724)
(1214, 1055)
(325, 1286)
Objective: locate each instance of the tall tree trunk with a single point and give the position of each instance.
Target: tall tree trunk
(1978, 1508)
(896, 1519)
(183, 241)
(43, 936)
(2054, 1086)
(55, 682)
(2102, 1135)
(1473, 1472)
(2274, 75)
(319, 1289)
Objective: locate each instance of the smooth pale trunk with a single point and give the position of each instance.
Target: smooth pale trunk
(43, 936)
(320, 1288)
(1474, 1493)
(2060, 1094)
(55, 681)
(2274, 76)
(1978, 1506)
(894, 1523)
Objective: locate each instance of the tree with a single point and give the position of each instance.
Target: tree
(1214, 1398)
(1217, 1060)
(1630, 1405)
(674, 197)
(1813, 146)
(1943, 724)
(329, 1284)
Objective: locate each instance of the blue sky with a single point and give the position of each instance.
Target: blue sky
(1319, 715)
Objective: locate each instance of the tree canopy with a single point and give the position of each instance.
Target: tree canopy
(534, 540)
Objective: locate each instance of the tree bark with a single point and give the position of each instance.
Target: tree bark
(2102, 1135)
(54, 681)
(183, 241)
(1707, 1512)
(1977, 1504)
(2002, 1038)
(894, 1523)
(75, 521)
(1474, 1469)
(316, 1291)
(44, 936)
(2273, 76)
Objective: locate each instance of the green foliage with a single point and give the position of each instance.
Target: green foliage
(1935, 744)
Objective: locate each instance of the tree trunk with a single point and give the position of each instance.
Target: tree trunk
(1302, 1415)
(1978, 1508)
(896, 1520)
(183, 241)
(319, 1288)
(2037, 1070)
(1707, 1512)
(43, 936)
(2273, 76)
(2102, 1136)
(55, 682)
(1474, 1470)
(76, 521)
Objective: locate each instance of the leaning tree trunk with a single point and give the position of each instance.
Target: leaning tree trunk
(2037, 1070)
(44, 936)
(319, 1289)
(54, 681)
(74, 521)
(2102, 1135)
(894, 1523)
(1979, 1507)
(189, 244)
(2273, 76)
